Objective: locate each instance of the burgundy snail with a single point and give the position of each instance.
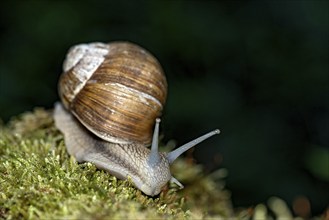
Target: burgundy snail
(111, 95)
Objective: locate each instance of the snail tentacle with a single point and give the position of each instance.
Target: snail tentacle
(174, 180)
(171, 156)
(154, 157)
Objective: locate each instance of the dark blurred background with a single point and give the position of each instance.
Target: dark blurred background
(258, 70)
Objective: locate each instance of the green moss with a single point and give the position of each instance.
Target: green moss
(39, 180)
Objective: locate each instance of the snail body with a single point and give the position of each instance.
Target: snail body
(111, 96)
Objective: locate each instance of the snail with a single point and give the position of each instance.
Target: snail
(111, 95)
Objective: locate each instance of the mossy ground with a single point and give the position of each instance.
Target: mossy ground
(39, 180)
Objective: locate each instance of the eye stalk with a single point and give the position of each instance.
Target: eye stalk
(155, 157)
(171, 156)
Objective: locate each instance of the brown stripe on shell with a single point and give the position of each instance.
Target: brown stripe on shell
(67, 84)
(127, 72)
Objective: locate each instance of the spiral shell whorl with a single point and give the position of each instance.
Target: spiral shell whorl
(116, 90)
(81, 62)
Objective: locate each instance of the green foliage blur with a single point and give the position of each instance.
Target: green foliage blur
(258, 70)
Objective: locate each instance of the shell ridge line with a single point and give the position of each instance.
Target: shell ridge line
(142, 95)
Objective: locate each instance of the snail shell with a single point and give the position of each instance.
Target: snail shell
(115, 90)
